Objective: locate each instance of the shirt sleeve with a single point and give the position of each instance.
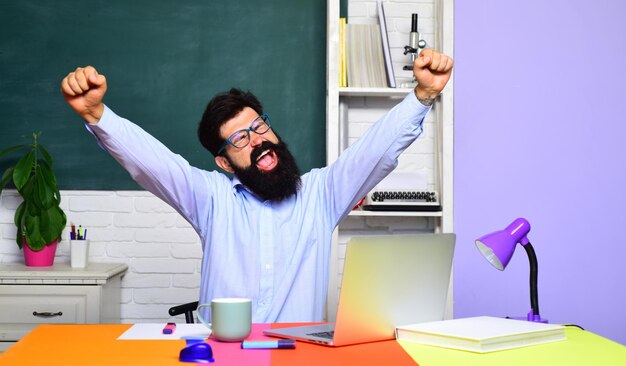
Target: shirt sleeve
(373, 156)
(151, 164)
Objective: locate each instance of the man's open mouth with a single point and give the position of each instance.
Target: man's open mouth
(267, 161)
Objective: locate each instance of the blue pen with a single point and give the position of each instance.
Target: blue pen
(279, 344)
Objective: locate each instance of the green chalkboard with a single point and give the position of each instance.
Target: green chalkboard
(163, 60)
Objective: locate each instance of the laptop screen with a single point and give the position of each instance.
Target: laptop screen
(392, 280)
(387, 281)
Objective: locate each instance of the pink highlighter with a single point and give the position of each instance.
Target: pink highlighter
(169, 328)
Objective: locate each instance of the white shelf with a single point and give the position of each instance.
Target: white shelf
(338, 105)
(360, 212)
(374, 92)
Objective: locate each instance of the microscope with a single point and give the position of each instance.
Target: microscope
(414, 47)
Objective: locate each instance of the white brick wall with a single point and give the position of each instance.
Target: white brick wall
(161, 249)
(418, 158)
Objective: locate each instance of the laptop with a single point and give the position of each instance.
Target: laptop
(387, 281)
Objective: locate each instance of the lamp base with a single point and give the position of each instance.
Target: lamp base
(531, 317)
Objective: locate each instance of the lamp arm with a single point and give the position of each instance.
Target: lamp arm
(534, 297)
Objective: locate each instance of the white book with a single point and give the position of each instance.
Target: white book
(481, 334)
(353, 56)
(365, 60)
(378, 76)
(391, 78)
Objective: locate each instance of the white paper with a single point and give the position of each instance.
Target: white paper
(403, 181)
(154, 331)
(482, 327)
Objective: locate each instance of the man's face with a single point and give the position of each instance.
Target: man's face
(265, 165)
(241, 157)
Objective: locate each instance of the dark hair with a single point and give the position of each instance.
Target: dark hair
(220, 109)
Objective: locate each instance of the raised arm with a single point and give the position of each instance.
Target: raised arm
(150, 163)
(371, 158)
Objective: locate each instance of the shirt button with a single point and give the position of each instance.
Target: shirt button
(268, 266)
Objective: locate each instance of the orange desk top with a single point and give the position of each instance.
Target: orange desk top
(97, 344)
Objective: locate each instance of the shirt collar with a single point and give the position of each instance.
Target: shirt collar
(237, 186)
(236, 183)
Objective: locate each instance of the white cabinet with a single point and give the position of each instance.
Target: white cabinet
(30, 296)
(439, 127)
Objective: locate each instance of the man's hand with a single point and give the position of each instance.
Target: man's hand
(432, 71)
(83, 89)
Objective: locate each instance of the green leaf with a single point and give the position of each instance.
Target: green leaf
(45, 194)
(30, 211)
(35, 241)
(57, 197)
(19, 213)
(32, 208)
(33, 234)
(46, 155)
(23, 169)
(12, 149)
(61, 223)
(19, 239)
(48, 175)
(27, 191)
(18, 219)
(52, 224)
(6, 177)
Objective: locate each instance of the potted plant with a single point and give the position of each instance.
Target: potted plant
(39, 218)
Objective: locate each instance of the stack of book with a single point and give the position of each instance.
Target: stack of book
(481, 334)
(365, 59)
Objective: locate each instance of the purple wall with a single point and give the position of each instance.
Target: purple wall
(540, 132)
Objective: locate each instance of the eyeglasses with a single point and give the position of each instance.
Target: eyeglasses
(241, 138)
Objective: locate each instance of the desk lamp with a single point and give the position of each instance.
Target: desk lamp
(498, 248)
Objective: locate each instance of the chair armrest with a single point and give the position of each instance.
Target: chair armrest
(186, 309)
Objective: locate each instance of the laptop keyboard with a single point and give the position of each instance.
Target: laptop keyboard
(328, 335)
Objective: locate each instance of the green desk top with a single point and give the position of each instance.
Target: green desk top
(580, 348)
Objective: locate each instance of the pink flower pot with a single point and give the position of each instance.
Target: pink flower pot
(40, 258)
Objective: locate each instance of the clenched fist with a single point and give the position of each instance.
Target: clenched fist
(83, 89)
(432, 71)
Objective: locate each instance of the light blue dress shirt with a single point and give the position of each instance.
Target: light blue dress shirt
(276, 254)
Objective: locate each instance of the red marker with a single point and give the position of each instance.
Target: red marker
(169, 328)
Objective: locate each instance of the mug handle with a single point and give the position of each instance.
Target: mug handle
(199, 314)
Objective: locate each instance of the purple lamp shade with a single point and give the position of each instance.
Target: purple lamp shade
(498, 247)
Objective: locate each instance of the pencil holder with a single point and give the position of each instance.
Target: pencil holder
(79, 252)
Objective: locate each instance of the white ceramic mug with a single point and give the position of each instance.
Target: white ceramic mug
(231, 318)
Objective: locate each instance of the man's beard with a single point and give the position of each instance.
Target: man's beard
(281, 182)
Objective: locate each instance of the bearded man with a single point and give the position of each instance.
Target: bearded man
(266, 232)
